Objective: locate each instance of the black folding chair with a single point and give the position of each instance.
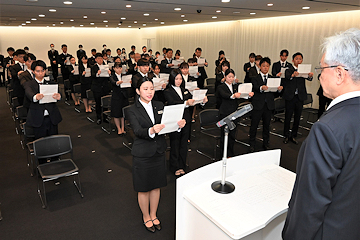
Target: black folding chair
(106, 111)
(127, 139)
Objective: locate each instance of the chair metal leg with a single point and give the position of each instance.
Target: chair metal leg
(78, 185)
(0, 213)
(43, 201)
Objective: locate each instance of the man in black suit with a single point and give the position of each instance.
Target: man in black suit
(80, 53)
(16, 70)
(64, 60)
(91, 60)
(143, 71)
(27, 76)
(9, 61)
(166, 64)
(2, 71)
(44, 118)
(53, 56)
(263, 104)
(202, 70)
(247, 67)
(294, 94)
(276, 68)
(326, 195)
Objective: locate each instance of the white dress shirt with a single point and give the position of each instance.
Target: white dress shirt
(150, 112)
(343, 97)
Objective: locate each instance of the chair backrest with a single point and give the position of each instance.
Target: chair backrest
(77, 88)
(211, 104)
(15, 102)
(89, 94)
(279, 104)
(209, 117)
(309, 99)
(211, 89)
(67, 85)
(210, 81)
(125, 112)
(106, 101)
(28, 131)
(21, 112)
(52, 146)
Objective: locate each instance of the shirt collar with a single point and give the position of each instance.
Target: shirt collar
(145, 105)
(344, 97)
(38, 81)
(143, 75)
(262, 75)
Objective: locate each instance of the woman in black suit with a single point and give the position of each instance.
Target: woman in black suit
(149, 171)
(85, 81)
(119, 98)
(74, 78)
(229, 104)
(177, 94)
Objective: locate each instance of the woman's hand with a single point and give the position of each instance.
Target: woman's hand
(205, 100)
(156, 128)
(190, 102)
(181, 123)
(251, 94)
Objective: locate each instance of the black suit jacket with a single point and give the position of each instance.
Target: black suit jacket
(25, 77)
(15, 82)
(276, 68)
(218, 79)
(61, 59)
(53, 56)
(35, 115)
(2, 60)
(326, 195)
(252, 73)
(247, 77)
(145, 146)
(83, 79)
(117, 90)
(99, 84)
(228, 105)
(80, 54)
(163, 66)
(291, 84)
(202, 70)
(72, 77)
(261, 98)
(172, 98)
(91, 61)
(131, 66)
(136, 77)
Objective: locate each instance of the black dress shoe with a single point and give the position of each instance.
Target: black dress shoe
(98, 122)
(286, 140)
(157, 226)
(150, 229)
(294, 141)
(251, 150)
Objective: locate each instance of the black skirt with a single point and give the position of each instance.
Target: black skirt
(117, 105)
(149, 172)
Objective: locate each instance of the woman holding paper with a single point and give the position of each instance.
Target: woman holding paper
(149, 170)
(229, 104)
(119, 98)
(177, 94)
(85, 80)
(74, 78)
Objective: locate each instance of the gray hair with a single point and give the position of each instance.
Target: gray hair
(344, 49)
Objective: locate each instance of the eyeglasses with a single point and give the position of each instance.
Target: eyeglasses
(319, 69)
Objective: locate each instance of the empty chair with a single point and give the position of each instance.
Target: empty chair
(210, 82)
(308, 107)
(106, 111)
(53, 147)
(211, 104)
(127, 139)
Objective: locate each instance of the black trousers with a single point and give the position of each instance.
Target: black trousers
(231, 140)
(54, 68)
(97, 97)
(46, 129)
(323, 102)
(65, 72)
(293, 106)
(179, 148)
(2, 77)
(256, 115)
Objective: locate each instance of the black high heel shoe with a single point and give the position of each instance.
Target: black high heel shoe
(150, 229)
(157, 226)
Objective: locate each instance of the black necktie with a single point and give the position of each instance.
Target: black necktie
(283, 65)
(23, 67)
(265, 80)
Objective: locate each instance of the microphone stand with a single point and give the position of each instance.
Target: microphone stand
(223, 186)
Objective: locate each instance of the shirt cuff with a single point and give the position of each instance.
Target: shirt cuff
(232, 97)
(34, 98)
(261, 89)
(151, 135)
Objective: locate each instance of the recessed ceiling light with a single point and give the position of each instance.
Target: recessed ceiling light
(236, 12)
(31, 0)
(92, 23)
(47, 26)
(123, 18)
(129, 26)
(33, 19)
(106, 25)
(144, 24)
(85, 16)
(81, 25)
(218, 11)
(156, 19)
(52, 10)
(214, 17)
(146, 14)
(20, 25)
(54, 24)
(23, 24)
(305, 8)
(71, 20)
(61, 22)
(177, 9)
(185, 20)
(225, 0)
(135, 21)
(128, 6)
(119, 24)
(252, 13)
(105, 21)
(72, 26)
(270, 4)
(162, 23)
(103, 12)
(95, 27)
(41, 15)
(182, 15)
(28, 22)
(67, 3)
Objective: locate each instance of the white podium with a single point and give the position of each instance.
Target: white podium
(255, 210)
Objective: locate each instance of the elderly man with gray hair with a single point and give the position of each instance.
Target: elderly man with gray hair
(325, 203)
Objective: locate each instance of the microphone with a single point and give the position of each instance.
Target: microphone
(238, 113)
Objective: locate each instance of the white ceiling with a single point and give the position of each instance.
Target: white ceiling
(17, 12)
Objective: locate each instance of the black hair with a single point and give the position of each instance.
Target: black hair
(80, 46)
(29, 56)
(117, 65)
(116, 58)
(284, 51)
(178, 52)
(52, 44)
(225, 63)
(265, 59)
(132, 53)
(296, 54)
(146, 55)
(143, 47)
(184, 65)
(10, 49)
(173, 75)
(38, 63)
(104, 45)
(198, 49)
(133, 46)
(150, 50)
(123, 49)
(93, 50)
(228, 71)
(104, 54)
(118, 49)
(143, 62)
(72, 57)
(191, 60)
(83, 56)
(164, 48)
(98, 55)
(252, 55)
(108, 50)
(221, 52)
(26, 48)
(258, 57)
(155, 65)
(157, 52)
(64, 45)
(168, 50)
(142, 80)
(19, 51)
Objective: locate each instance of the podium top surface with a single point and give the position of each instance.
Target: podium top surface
(261, 194)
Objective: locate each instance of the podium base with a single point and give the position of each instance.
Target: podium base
(228, 187)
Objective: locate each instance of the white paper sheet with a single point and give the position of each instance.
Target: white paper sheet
(47, 78)
(68, 61)
(87, 72)
(111, 64)
(158, 82)
(199, 95)
(171, 115)
(76, 68)
(160, 58)
(1, 69)
(245, 89)
(193, 70)
(191, 86)
(304, 70)
(126, 81)
(176, 63)
(201, 62)
(104, 71)
(273, 84)
(123, 69)
(283, 72)
(165, 77)
(48, 91)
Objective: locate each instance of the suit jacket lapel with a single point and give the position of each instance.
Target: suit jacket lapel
(157, 116)
(144, 113)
